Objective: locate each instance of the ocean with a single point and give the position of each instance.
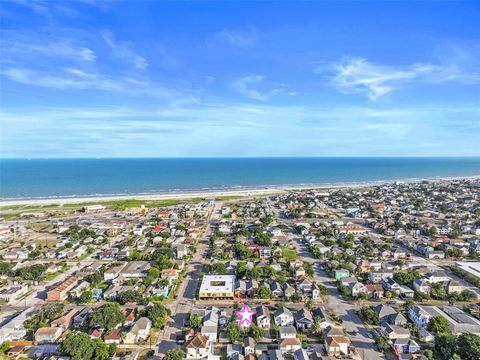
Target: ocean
(51, 178)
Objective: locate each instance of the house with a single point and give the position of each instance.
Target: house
(47, 335)
(458, 321)
(135, 269)
(375, 291)
(263, 317)
(198, 347)
(14, 329)
(275, 355)
(290, 345)
(300, 354)
(395, 332)
(336, 343)
(341, 273)
(320, 315)
(287, 332)
(303, 319)
(65, 320)
(378, 276)
(12, 293)
(60, 292)
(182, 251)
(283, 317)
(114, 337)
(406, 346)
(140, 331)
(248, 346)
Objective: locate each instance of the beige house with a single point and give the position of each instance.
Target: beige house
(198, 347)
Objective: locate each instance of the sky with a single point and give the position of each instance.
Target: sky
(239, 79)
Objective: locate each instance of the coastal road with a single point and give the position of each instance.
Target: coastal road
(185, 301)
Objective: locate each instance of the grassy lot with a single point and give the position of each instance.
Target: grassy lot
(16, 210)
(289, 254)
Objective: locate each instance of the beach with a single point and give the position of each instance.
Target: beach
(212, 194)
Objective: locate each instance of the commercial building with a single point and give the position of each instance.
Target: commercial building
(60, 292)
(217, 287)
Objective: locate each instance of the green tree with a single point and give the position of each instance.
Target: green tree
(468, 346)
(85, 297)
(308, 269)
(467, 295)
(100, 350)
(382, 342)
(5, 268)
(196, 321)
(107, 316)
(369, 315)
(174, 354)
(444, 346)
(264, 292)
(158, 315)
(256, 332)
(438, 325)
(78, 346)
(233, 332)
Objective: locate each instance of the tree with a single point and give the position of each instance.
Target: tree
(233, 332)
(106, 316)
(323, 290)
(256, 332)
(78, 346)
(308, 269)
(405, 277)
(128, 296)
(174, 354)
(5, 268)
(438, 325)
(369, 315)
(467, 295)
(100, 350)
(264, 292)
(158, 315)
(444, 346)
(438, 291)
(196, 321)
(85, 297)
(382, 342)
(468, 346)
(428, 354)
(42, 317)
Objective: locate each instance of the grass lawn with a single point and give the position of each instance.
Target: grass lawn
(289, 254)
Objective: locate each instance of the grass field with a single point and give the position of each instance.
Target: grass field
(289, 254)
(15, 210)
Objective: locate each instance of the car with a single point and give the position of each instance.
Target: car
(180, 339)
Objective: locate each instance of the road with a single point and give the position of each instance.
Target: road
(346, 311)
(185, 300)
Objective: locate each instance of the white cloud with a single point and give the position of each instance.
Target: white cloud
(358, 75)
(72, 78)
(237, 38)
(249, 87)
(121, 50)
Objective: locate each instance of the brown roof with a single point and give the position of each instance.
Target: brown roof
(65, 284)
(46, 331)
(337, 340)
(113, 335)
(290, 342)
(198, 341)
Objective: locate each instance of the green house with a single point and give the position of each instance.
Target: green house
(341, 274)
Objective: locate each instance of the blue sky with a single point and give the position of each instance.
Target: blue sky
(184, 79)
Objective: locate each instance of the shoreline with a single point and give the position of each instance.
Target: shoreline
(244, 192)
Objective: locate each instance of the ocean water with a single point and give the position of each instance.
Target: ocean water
(29, 179)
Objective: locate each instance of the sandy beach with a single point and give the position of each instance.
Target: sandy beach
(261, 191)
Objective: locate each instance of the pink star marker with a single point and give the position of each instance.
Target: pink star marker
(245, 315)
